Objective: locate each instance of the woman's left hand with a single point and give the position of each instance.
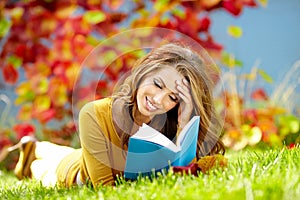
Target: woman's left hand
(185, 104)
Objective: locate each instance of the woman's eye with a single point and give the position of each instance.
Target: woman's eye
(157, 84)
(173, 98)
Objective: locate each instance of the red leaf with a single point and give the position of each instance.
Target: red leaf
(191, 168)
(268, 128)
(188, 25)
(23, 130)
(259, 94)
(10, 74)
(117, 17)
(115, 4)
(232, 6)
(4, 141)
(45, 116)
(209, 43)
(85, 93)
(292, 146)
(250, 115)
(20, 50)
(203, 4)
(168, 25)
(204, 24)
(69, 129)
(101, 84)
(81, 27)
(250, 3)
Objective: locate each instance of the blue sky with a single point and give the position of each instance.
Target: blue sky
(271, 35)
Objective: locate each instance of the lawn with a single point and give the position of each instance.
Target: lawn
(251, 174)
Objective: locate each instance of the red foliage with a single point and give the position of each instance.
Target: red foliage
(292, 146)
(235, 7)
(52, 39)
(23, 130)
(204, 24)
(10, 74)
(259, 94)
(4, 141)
(45, 116)
(191, 168)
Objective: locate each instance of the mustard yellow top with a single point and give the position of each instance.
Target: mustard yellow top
(101, 156)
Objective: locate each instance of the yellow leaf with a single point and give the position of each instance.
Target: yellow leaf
(16, 13)
(210, 3)
(265, 76)
(58, 94)
(94, 2)
(43, 69)
(15, 61)
(207, 163)
(42, 103)
(41, 85)
(235, 31)
(66, 50)
(65, 12)
(92, 40)
(94, 16)
(161, 5)
(5, 26)
(48, 25)
(72, 72)
(107, 58)
(25, 112)
(179, 13)
(263, 3)
(230, 61)
(23, 88)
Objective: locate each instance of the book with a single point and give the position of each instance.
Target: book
(149, 151)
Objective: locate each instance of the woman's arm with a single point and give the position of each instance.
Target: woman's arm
(94, 147)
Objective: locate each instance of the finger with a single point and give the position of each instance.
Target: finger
(183, 86)
(184, 92)
(184, 98)
(186, 83)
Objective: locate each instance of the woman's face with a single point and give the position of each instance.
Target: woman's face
(157, 92)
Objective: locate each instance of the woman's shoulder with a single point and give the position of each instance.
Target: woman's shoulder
(102, 104)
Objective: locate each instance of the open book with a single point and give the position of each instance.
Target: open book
(150, 151)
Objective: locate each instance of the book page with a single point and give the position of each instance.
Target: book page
(148, 133)
(185, 130)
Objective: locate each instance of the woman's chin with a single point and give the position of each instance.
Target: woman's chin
(146, 114)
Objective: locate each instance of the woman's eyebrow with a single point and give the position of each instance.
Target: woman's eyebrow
(164, 85)
(161, 81)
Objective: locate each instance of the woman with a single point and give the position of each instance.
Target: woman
(165, 89)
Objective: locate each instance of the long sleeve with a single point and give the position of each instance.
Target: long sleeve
(95, 152)
(102, 155)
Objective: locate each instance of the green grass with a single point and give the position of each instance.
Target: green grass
(269, 174)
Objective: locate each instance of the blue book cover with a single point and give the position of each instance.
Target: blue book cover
(150, 151)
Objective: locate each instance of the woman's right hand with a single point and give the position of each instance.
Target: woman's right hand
(185, 104)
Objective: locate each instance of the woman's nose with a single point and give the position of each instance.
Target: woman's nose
(159, 97)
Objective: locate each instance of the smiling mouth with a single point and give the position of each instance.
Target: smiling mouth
(150, 106)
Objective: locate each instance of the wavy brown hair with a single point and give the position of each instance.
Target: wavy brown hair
(189, 64)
